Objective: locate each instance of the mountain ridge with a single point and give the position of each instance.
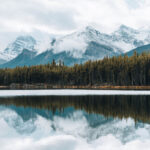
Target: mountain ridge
(16, 47)
(80, 46)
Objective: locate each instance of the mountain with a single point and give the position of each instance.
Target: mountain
(79, 43)
(89, 43)
(22, 59)
(78, 47)
(139, 50)
(48, 56)
(128, 38)
(2, 61)
(15, 48)
(74, 48)
(29, 58)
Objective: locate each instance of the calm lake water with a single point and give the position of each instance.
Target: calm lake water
(83, 122)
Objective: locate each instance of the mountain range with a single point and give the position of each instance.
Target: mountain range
(78, 47)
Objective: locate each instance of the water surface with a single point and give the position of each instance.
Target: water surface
(100, 122)
(67, 92)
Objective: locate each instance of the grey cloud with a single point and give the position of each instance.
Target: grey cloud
(57, 19)
(30, 12)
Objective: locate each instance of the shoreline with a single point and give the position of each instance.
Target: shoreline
(47, 86)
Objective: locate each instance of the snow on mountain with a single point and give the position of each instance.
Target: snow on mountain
(128, 38)
(121, 40)
(78, 47)
(77, 42)
(16, 47)
(22, 59)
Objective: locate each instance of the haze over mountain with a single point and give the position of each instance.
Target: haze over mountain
(78, 47)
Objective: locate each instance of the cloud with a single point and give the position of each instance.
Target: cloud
(27, 15)
(76, 46)
(66, 16)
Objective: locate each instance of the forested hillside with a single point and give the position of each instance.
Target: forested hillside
(121, 70)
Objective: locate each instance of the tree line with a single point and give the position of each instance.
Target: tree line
(117, 70)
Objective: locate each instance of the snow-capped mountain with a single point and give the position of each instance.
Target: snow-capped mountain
(15, 48)
(78, 42)
(128, 38)
(22, 59)
(120, 41)
(78, 47)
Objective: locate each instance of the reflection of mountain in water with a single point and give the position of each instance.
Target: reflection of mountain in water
(137, 107)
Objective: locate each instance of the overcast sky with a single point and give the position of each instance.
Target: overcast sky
(64, 16)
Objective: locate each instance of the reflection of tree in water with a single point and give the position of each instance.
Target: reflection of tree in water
(137, 107)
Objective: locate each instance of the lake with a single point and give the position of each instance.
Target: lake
(74, 120)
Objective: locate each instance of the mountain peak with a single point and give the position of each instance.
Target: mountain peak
(89, 28)
(89, 32)
(124, 28)
(26, 38)
(20, 43)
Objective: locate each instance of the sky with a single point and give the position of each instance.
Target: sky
(42, 18)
